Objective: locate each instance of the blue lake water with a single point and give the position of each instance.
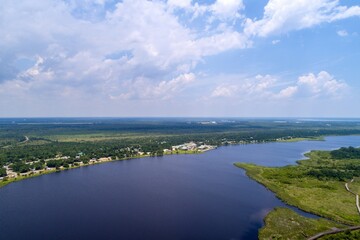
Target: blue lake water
(172, 197)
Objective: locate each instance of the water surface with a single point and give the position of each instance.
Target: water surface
(176, 197)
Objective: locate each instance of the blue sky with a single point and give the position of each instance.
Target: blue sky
(239, 58)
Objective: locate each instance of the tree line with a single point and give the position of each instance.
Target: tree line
(346, 153)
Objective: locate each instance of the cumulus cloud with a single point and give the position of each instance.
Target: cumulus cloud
(86, 46)
(225, 9)
(142, 88)
(269, 87)
(313, 85)
(287, 92)
(322, 84)
(180, 3)
(224, 90)
(219, 10)
(138, 49)
(256, 87)
(281, 16)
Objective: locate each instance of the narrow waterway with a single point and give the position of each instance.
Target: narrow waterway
(180, 197)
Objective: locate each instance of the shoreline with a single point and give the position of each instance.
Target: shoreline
(20, 177)
(291, 186)
(32, 175)
(284, 198)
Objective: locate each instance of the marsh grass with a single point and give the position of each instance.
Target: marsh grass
(347, 235)
(324, 197)
(283, 223)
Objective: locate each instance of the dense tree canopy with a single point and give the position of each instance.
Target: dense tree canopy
(2, 172)
(122, 138)
(20, 167)
(346, 153)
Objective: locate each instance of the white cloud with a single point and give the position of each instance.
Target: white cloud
(224, 90)
(342, 33)
(145, 50)
(269, 87)
(262, 83)
(287, 92)
(322, 84)
(180, 3)
(225, 9)
(101, 50)
(142, 88)
(34, 70)
(248, 88)
(281, 16)
(222, 42)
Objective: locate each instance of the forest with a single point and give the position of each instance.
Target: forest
(24, 141)
(337, 170)
(346, 153)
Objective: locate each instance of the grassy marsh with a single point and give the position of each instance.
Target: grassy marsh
(283, 223)
(294, 185)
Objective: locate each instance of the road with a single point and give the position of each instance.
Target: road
(319, 235)
(26, 139)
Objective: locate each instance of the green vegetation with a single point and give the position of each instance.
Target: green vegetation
(283, 223)
(2, 172)
(36, 144)
(320, 138)
(355, 186)
(34, 147)
(346, 153)
(118, 138)
(347, 235)
(184, 152)
(20, 167)
(315, 185)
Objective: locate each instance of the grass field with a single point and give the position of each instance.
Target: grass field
(283, 223)
(324, 197)
(355, 186)
(99, 136)
(319, 138)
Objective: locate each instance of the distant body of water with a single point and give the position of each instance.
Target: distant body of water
(177, 197)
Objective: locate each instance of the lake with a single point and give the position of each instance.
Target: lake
(178, 197)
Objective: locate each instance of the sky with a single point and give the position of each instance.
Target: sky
(173, 58)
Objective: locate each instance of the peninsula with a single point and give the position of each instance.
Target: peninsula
(327, 184)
